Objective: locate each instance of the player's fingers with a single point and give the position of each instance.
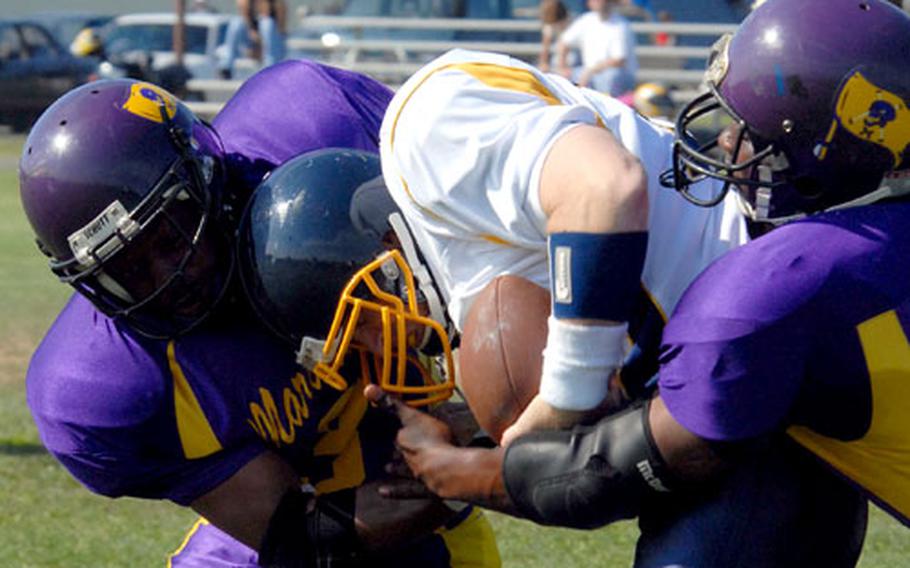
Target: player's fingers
(406, 414)
(508, 435)
(387, 402)
(404, 489)
(398, 469)
(398, 466)
(519, 428)
(376, 395)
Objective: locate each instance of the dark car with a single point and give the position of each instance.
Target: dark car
(64, 26)
(34, 70)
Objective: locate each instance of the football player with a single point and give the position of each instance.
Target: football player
(788, 356)
(499, 168)
(156, 381)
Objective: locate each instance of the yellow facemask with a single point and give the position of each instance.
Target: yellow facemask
(401, 328)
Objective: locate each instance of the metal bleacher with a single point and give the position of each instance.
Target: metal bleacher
(346, 42)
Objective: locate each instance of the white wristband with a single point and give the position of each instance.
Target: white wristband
(578, 361)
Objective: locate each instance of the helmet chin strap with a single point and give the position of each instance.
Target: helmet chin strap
(760, 212)
(425, 283)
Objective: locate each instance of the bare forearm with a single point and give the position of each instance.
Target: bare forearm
(243, 505)
(606, 64)
(562, 54)
(543, 59)
(689, 457)
(470, 474)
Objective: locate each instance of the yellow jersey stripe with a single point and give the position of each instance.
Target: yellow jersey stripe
(195, 432)
(495, 240)
(654, 303)
(508, 78)
(880, 460)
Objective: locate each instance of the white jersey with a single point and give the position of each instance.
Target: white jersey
(462, 145)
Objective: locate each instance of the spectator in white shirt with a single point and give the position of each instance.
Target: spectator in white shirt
(607, 45)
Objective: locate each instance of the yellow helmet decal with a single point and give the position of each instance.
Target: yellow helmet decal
(146, 100)
(873, 114)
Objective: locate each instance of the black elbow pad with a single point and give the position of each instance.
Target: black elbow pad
(586, 477)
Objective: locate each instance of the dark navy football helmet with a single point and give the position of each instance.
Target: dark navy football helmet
(122, 185)
(320, 254)
(819, 90)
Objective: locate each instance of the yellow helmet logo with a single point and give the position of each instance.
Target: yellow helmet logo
(872, 114)
(146, 100)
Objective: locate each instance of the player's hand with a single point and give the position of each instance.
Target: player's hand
(423, 441)
(383, 523)
(426, 445)
(540, 415)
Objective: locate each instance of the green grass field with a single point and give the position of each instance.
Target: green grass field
(47, 519)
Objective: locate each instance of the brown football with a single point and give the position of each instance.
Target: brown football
(501, 351)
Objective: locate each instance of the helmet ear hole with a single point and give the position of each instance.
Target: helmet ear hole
(43, 248)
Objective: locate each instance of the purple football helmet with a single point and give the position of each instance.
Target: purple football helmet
(122, 185)
(819, 89)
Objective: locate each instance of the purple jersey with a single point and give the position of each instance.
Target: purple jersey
(805, 329)
(129, 416)
(294, 107)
